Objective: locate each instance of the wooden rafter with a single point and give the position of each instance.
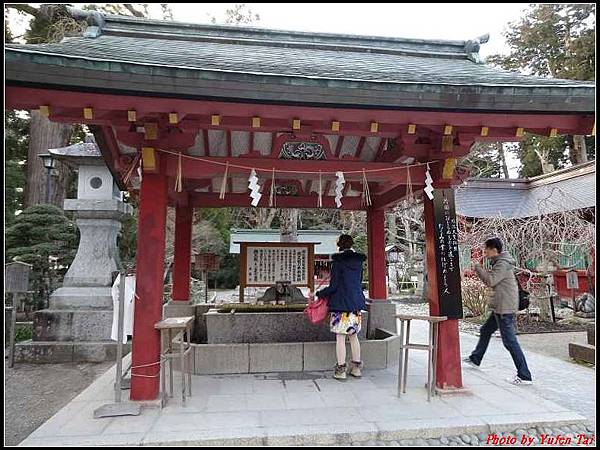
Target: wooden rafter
(360, 147)
(381, 148)
(228, 137)
(206, 142)
(338, 147)
(273, 139)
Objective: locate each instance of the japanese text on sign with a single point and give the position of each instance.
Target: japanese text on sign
(447, 254)
(267, 265)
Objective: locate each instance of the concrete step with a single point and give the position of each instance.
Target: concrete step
(62, 352)
(583, 352)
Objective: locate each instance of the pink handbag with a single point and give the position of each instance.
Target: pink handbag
(317, 310)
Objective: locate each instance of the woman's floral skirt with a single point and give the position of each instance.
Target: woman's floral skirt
(345, 322)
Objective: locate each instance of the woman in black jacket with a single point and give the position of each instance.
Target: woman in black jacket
(346, 301)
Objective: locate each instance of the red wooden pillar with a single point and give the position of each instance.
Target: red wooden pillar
(150, 257)
(449, 374)
(376, 254)
(182, 266)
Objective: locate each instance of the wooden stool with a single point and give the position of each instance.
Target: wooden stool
(431, 349)
(171, 329)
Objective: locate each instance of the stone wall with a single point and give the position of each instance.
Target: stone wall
(212, 359)
(267, 327)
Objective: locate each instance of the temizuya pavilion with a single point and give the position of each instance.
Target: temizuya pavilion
(198, 103)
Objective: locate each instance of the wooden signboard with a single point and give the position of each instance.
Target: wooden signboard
(207, 261)
(16, 282)
(447, 254)
(572, 279)
(264, 263)
(16, 277)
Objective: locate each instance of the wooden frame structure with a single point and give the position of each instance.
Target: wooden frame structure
(309, 263)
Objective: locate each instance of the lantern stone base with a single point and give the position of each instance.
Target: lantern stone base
(76, 328)
(84, 325)
(75, 298)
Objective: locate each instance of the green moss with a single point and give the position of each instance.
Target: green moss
(23, 332)
(246, 308)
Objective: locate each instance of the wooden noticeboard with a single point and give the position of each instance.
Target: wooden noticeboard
(447, 254)
(572, 279)
(264, 263)
(16, 277)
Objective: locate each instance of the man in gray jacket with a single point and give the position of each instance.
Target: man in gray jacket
(504, 305)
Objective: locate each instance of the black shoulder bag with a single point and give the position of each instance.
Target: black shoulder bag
(523, 296)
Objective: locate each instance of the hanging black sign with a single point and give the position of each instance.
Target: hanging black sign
(447, 255)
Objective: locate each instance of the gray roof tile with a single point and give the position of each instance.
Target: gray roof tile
(267, 51)
(565, 190)
(266, 59)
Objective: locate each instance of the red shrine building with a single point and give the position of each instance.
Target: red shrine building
(200, 108)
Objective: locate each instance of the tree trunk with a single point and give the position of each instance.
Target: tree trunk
(547, 167)
(43, 135)
(503, 159)
(392, 228)
(578, 153)
(289, 225)
(265, 217)
(353, 224)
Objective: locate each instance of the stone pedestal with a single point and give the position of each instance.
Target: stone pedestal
(382, 314)
(99, 223)
(81, 311)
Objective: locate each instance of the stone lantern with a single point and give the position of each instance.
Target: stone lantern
(77, 324)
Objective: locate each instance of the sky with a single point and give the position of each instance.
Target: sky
(453, 21)
(450, 21)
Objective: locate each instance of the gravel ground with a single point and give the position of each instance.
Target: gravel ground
(538, 433)
(423, 309)
(35, 392)
(552, 344)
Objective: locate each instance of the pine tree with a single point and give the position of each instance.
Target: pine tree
(44, 237)
(15, 155)
(553, 40)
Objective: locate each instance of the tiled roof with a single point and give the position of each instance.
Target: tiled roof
(564, 190)
(82, 153)
(193, 51)
(314, 61)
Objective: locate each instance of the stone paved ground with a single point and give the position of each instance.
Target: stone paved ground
(35, 392)
(277, 409)
(554, 345)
